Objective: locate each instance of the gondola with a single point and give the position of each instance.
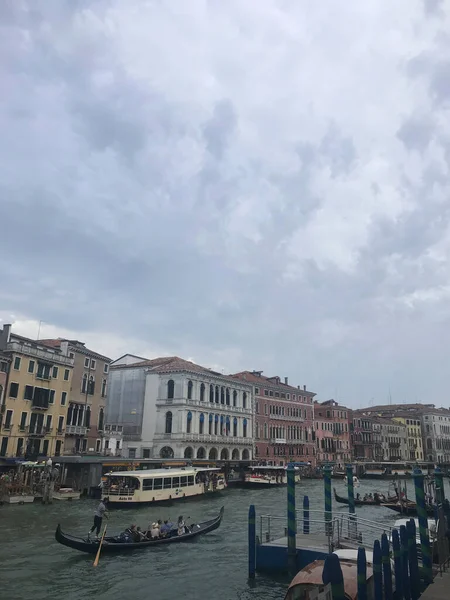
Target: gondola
(112, 545)
(408, 509)
(374, 502)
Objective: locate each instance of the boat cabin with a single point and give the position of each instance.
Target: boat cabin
(308, 583)
(158, 485)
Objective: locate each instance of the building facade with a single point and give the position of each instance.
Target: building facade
(414, 436)
(36, 398)
(172, 408)
(394, 439)
(362, 436)
(283, 419)
(87, 400)
(332, 423)
(5, 361)
(436, 435)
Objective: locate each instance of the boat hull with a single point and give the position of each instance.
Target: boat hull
(110, 546)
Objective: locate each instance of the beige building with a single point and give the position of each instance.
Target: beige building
(87, 399)
(36, 398)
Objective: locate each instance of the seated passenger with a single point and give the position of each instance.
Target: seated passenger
(165, 529)
(154, 532)
(140, 535)
(181, 526)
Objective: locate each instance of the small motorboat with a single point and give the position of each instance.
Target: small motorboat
(114, 545)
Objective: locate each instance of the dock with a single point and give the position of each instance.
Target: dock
(439, 589)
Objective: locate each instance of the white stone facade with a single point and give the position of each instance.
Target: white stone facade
(202, 415)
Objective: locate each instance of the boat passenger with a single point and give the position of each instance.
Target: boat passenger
(154, 532)
(141, 535)
(181, 526)
(165, 529)
(358, 497)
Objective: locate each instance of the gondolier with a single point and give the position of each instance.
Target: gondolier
(100, 512)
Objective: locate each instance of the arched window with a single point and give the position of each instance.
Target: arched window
(87, 418)
(221, 424)
(201, 452)
(166, 452)
(101, 418)
(235, 424)
(216, 424)
(171, 388)
(91, 388)
(210, 430)
(227, 426)
(189, 422)
(168, 422)
(235, 398)
(70, 414)
(84, 384)
(217, 394)
(202, 392)
(245, 454)
(227, 401)
(103, 388)
(235, 454)
(211, 393)
(213, 454)
(222, 395)
(245, 428)
(201, 422)
(224, 454)
(189, 452)
(190, 388)
(244, 400)
(265, 431)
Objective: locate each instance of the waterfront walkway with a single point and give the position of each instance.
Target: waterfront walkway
(439, 589)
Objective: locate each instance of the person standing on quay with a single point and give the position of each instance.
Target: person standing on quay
(101, 512)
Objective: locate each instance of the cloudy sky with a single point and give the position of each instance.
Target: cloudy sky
(251, 185)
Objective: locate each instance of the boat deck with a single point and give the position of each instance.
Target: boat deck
(312, 541)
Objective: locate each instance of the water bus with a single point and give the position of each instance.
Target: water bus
(161, 485)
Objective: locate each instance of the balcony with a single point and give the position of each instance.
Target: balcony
(76, 430)
(285, 418)
(203, 438)
(276, 440)
(36, 431)
(47, 355)
(394, 444)
(206, 405)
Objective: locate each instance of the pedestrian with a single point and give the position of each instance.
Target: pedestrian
(102, 511)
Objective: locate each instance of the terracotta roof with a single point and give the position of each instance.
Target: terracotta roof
(74, 345)
(254, 378)
(173, 364)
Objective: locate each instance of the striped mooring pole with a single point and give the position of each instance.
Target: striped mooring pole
(292, 521)
(327, 490)
(397, 564)
(361, 568)
(405, 563)
(350, 490)
(332, 573)
(427, 571)
(414, 575)
(386, 564)
(377, 573)
(305, 514)
(439, 486)
(251, 541)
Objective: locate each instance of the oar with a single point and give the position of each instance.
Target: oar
(97, 558)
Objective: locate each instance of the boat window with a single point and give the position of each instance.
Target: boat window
(148, 484)
(175, 481)
(167, 483)
(190, 480)
(157, 483)
(184, 481)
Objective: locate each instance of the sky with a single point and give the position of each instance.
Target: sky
(250, 185)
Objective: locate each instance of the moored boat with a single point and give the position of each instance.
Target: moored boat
(161, 485)
(376, 501)
(260, 476)
(114, 545)
(408, 508)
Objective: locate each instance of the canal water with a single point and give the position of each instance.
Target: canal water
(34, 566)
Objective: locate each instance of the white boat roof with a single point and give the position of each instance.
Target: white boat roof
(175, 472)
(431, 523)
(349, 554)
(267, 468)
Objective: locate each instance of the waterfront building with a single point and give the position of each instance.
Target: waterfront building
(414, 435)
(435, 424)
(394, 439)
(5, 361)
(173, 408)
(362, 436)
(87, 399)
(332, 423)
(35, 400)
(283, 419)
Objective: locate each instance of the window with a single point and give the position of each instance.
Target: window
(189, 422)
(101, 418)
(147, 484)
(168, 428)
(87, 417)
(17, 363)
(266, 393)
(211, 393)
(105, 368)
(51, 399)
(146, 453)
(66, 374)
(234, 398)
(201, 423)
(84, 384)
(13, 390)
(171, 388)
(93, 364)
(23, 421)
(8, 419)
(244, 400)
(63, 398)
(19, 450)
(131, 452)
(157, 483)
(183, 481)
(28, 392)
(190, 387)
(4, 446)
(167, 483)
(202, 392)
(31, 364)
(245, 428)
(48, 423)
(175, 482)
(91, 386)
(55, 372)
(190, 480)
(256, 390)
(86, 363)
(43, 371)
(103, 388)
(60, 424)
(71, 355)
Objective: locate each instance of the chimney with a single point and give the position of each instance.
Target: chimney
(5, 336)
(304, 388)
(298, 387)
(286, 381)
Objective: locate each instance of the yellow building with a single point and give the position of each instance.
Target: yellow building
(414, 440)
(36, 399)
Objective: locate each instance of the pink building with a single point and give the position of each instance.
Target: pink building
(332, 425)
(283, 417)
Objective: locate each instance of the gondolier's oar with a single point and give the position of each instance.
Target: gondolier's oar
(97, 558)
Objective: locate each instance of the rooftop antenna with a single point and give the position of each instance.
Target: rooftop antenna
(39, 329)
(390, 397)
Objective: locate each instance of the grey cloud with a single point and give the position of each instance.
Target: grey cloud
(417, 131)
(220, 128)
